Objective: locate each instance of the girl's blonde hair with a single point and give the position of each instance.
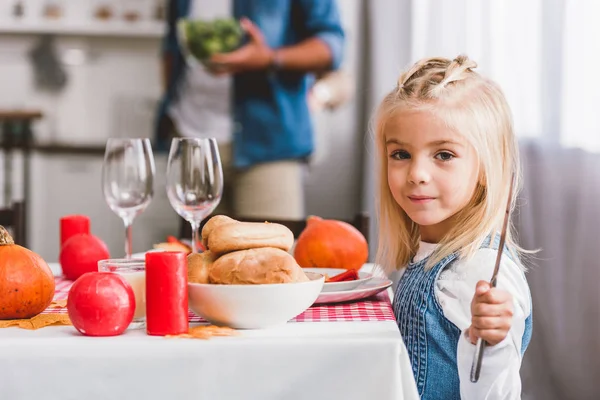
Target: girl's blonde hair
(474, 107)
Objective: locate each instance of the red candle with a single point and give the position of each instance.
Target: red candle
(71, 225)
(166, 293)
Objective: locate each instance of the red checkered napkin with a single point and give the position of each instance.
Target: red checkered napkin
(376, 308)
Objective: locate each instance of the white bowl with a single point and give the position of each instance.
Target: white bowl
(253, 306)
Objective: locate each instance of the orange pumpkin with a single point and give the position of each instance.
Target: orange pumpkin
(26, 281)
(326, 243)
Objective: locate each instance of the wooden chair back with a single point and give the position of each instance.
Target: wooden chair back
(13, 219)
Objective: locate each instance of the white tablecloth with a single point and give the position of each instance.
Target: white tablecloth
(312, 360)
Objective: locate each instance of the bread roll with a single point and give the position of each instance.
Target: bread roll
(172, 247)
(199, 265)
(213, 223)
(249, 235)
(256, 266)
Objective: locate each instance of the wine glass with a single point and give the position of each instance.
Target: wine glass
(128, 180)
(194, 180)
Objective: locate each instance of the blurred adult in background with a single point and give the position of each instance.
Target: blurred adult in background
(254, 100)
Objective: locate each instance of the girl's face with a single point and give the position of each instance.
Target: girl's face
(432, 171)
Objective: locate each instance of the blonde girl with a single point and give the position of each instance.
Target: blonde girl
(447, 152)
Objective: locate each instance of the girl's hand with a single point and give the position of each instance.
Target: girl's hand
(491, 314)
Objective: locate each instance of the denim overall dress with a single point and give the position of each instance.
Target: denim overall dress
(430, 338)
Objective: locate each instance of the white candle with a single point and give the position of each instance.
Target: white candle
(137, 280)
(134, 272)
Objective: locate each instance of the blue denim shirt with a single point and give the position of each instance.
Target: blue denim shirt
(430, 338)
(271, 116)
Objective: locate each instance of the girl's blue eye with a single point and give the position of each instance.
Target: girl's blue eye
(444, 156)
(400, 155)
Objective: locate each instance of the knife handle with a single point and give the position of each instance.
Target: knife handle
(477, 359)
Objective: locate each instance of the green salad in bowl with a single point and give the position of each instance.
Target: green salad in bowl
(200, 39)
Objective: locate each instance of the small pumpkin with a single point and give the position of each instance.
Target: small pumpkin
(26, 281)
(327, 243)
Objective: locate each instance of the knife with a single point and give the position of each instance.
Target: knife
(478, 358)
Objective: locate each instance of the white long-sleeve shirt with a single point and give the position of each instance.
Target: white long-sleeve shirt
(454, 290)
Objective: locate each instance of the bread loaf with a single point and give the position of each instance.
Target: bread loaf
(213, 223)
(230, 237)
(256, 266)
(199, 265)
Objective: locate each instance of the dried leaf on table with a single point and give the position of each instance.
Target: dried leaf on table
(37, 322)
(42, 320)
(213, 330)
(58, 304)
(10, 322)
(205, 332)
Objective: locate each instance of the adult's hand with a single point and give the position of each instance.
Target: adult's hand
(253, 56)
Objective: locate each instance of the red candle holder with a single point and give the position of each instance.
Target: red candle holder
(166, 293)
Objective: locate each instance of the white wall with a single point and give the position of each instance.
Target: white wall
(113, 86)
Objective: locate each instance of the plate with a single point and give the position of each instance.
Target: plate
(367, 289)
(340, 286)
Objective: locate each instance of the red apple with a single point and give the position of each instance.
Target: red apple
(101, 304)
(80, 254)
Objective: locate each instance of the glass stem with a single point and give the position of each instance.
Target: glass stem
(195, 227)
(128, 239)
